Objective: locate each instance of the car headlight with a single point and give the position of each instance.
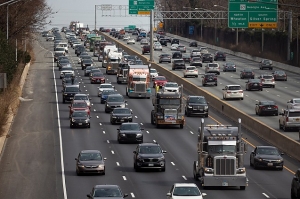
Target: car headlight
(241, 170)
(73, 120)
(80, 165)
(114, 117)
(190, 107)
(87, 121)
(129, 117)
(208, 170)
(161, 158)
(160, 117)
(279, 160)
(259, 159)
(122, 134)
(65, 94)
(139, 135)
(205, 107)
(107, 105)
(101, 166)
(139, 158)
(122, 105)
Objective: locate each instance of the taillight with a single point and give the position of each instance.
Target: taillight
(215, 78)
(240, 91)
(273, 79)
(276, 107)
(286, 119)
(262, 80)
(228, 91)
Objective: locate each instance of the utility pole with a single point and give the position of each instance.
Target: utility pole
(95, 17)
(151, 36)
(290, 36)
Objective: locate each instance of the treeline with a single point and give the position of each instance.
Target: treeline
(17, 31)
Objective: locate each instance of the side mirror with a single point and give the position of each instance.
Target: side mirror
(168, 194)
(204, 194)
(76, 158)
(88, 195)
(164, 151)
(134, 152)
(118, 129)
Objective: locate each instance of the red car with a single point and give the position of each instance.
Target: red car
(159, 81)
(79, 105)
(98, 78)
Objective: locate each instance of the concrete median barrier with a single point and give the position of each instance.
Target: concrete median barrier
(284, 143)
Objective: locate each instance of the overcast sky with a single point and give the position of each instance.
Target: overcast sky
(84, 12)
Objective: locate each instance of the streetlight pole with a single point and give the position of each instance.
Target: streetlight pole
(95, 16)
(298, 40)
(7, 5)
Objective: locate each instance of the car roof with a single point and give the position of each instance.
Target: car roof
(90, 151)
(194, 96)
(185, 185)
(129, 123)
(149, 144)
(106, 84)
(80, 94)
(266, 147)
(106, 186)
(233, 85)
(69, 86)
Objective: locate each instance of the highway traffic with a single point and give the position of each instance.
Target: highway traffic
(283, 91)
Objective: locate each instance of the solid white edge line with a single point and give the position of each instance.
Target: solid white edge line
(59, 132)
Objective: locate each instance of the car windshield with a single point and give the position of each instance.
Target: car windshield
(267, 151)
(107, 192)
(173, 85)
(199, 100)
(108, 92)
(294, 114)
(87, 61)
(150, 150)
(81, 97)
(66, 68)
(178, 61)
(297, 101)
(72, 89)
(69, 81)
(229, 64)
(267, 62)
(121, 111)
(234, 88)
(248, 70)
(268, 77)
(197, 59)
(105, 86)
(186, 56)
(89, 68)
(267, 103)
(59, 49)
(115, 99)
(129, 126)
(186, 191)
(191, 68)
(254, 80)
(68, 75)
(90, 156)
(280, 72)
(98, 75)
(153, 71)
(212, 65)
(79, 105)
(221, 148)
(80, 114)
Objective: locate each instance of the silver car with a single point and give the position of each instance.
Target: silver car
(90, 161)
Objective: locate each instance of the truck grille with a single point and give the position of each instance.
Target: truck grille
(125, 73)
(140, 88)
(225, 165)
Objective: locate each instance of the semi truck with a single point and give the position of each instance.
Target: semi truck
(138, 81)
(111, 59)
(122, 72)
(168, 108)
(220, 161)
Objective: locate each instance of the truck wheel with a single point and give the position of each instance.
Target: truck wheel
(118, 82)
(157, 125)
(196, 176)
(242, 187)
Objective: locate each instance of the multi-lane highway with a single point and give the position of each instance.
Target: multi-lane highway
(283, 91)
(180, 145)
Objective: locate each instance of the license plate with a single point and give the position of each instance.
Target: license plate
(270, 164)
(98, 80)
(255, 84)
(201, 109)
(150, 165)
(224, 183)
(269, 108)
(122, 120)
(79, 123)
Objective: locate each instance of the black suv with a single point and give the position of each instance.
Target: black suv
(150, 156)
(163, 42)
(175, 41)
(178, 64)
(130, 132)
(207, 57)
(219, 55)
(69, 91)
(196, 105)
(295, 188)
(120, 115)
(177, 55)
(209, 79)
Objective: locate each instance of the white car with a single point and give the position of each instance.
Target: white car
(171, 87)
(130, 41)
(126, 37)
(185, 191)
(60, 50)
(153, 73)
(154, 39)
(190, 71)
(50, 38)
(293, 103)
(76, 43)
(233, 92)
(267, 80)
(103, 87)
(144, 42)
(65, 45)
(174, 46)
(157, 47)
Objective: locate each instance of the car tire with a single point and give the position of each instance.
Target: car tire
(64, 101)
(181, 126)
(261, 89)
(78, 173)
(280, 126)
(251, 165)
(255, 166)
(106, 111)
(242, 98)
(206, 115)
(284, 128)
(196, 76)
(163, 169)
(273, 86)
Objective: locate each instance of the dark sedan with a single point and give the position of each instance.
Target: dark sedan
(266, 157)
(90, 161)
(196, 61)
(266, 108)
(207, 57)
(105, 94)
(193, 44)
(178, 64)
(120, 115)
(88, 70)
(229, 66)
(114, 101)
(130, 132)
(80, 119)
(63, 62)
(164, 58)
(219, 55)
(254, 84)
(196, 105)
(86, 62)
(247, 73)
(279, 75)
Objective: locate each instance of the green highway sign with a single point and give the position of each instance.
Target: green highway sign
(255, 14)
(140, 6)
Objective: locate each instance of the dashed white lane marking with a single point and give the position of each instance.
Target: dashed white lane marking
(142, 124)
(126, 104)
(100, 124)
(112, 152)
(191, 132)
(86, 90)
(278, 95)
(103, 132)
(98, 117)
(256, 100)
(92, 104)
(297, 91)
(118, 164)
(124, 178)
(173, 163)
(107, 141)
(154, 141)
(132, 195)
(265, 195)
(84, 86)
(135, 116)
(94, 109)
(147, 132)
(184, 177)
(246, 95)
